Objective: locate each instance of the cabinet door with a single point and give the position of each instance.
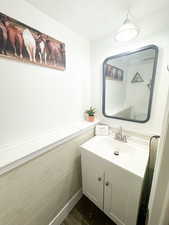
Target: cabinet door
(122, 194)
(92, 178)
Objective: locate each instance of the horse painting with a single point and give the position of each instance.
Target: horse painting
(21, 42)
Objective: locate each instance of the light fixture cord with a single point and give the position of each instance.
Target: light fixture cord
(128, 12)
(127, 17)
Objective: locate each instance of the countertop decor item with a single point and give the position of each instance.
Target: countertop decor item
(26, 44)
(91, 112)
(101, 130)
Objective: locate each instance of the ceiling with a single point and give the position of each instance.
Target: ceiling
(94, 19)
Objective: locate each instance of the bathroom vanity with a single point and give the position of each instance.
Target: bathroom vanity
(112, 176)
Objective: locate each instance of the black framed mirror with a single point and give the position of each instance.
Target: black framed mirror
(128, 83)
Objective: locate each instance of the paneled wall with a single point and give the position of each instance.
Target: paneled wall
(35, 192)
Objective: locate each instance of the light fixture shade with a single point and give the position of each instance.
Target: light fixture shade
(127, 31)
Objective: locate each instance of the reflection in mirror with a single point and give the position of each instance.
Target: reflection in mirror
(128, 84)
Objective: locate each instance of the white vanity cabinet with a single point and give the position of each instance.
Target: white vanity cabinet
(112, 188)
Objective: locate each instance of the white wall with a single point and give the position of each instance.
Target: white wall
(137, 94)
(33, 98)
(159, 198)
(115, 91)
(103, 48)
(115, 96)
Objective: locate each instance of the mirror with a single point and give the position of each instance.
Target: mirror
(128, 81)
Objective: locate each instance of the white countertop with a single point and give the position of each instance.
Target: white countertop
(133, 156)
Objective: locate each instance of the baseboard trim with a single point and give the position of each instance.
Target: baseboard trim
(59, 218)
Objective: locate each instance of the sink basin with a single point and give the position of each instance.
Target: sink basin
(131, 156)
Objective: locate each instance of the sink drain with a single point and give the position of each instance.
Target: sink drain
(116, 152)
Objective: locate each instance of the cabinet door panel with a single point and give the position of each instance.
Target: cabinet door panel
(92, 178)
(122, 196)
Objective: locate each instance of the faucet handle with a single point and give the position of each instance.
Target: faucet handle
(125, 138)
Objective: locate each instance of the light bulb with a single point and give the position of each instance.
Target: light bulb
(127, 31)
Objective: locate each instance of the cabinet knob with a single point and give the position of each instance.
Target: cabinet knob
(107, 183)
(99, 178)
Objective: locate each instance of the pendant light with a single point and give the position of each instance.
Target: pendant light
(127, 31)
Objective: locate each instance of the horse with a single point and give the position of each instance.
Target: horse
(30, 44)
(53, 51)
(41, 47)
(4, 37)
(14, 36)
(62, 47)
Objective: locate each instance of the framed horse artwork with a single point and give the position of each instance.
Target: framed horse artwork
(21, 42)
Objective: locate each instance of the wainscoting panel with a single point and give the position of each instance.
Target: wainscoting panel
(34, 193)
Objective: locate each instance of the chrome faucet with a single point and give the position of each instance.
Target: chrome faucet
(119, 136)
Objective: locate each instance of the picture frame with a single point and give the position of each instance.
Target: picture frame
(26, 44)
(114, 73)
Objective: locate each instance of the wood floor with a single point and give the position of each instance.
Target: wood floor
(86, 213)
